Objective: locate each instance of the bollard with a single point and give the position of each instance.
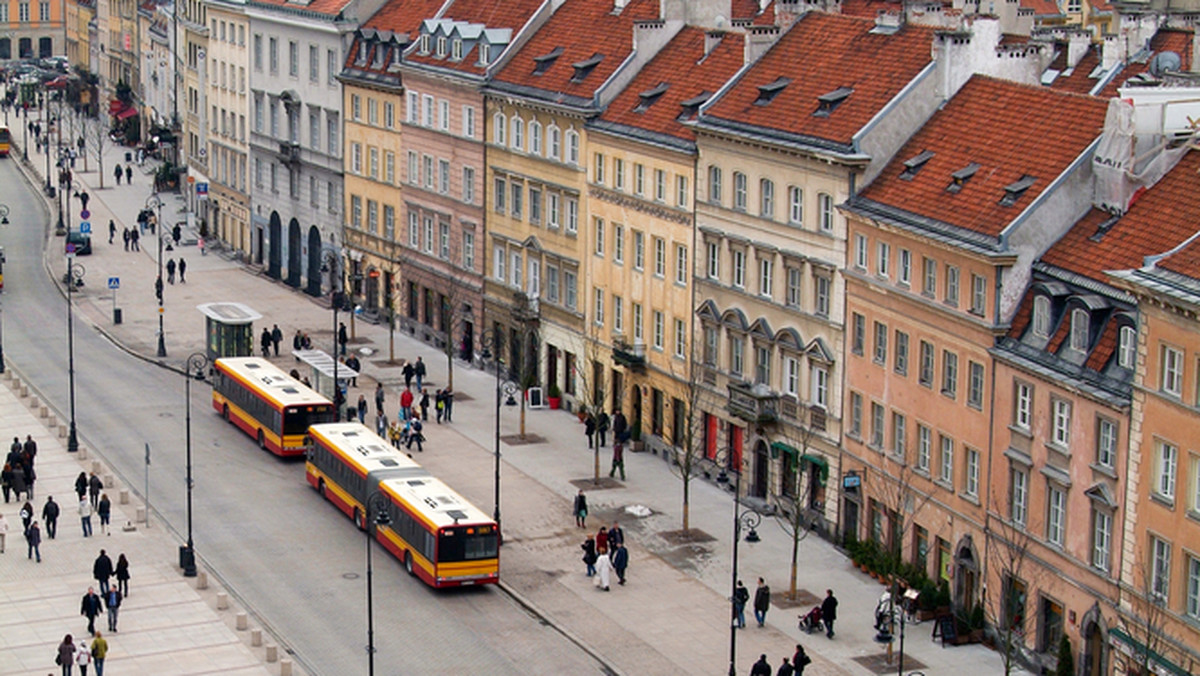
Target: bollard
(272, 652)
(201, 580)
(141, 514)
(62, 432)
(243, 621)
(285, 667)
(43, 411)
(52, 422)
(82, 452)
(109, 481)
(222, 601)
(256, 637)
(24, 391)
(96, 468)
(34, 403)
(124, 496)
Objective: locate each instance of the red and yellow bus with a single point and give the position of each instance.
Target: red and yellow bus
(438, 536)
(5, 140)
(268, 404)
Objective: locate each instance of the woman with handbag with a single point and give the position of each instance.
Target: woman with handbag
(66, 655)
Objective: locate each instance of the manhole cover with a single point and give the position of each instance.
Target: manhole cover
(349, 576)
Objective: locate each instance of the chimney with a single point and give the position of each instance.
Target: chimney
(1112, 53)
(711, 40)
(1077, 47)
(1195, 47)
(759, 41)
(619, 5)
(887, 21)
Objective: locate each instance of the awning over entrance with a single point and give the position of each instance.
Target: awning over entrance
(1131, 646)
(819, 463)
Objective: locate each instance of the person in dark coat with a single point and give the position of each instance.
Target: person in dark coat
(829, 611)
(761, 667)
(276, 333)
(800, 660)
(620, 427)
(424, 405)
(95, 485)
(342, 337)
(419, 372)
(176, 233)
(620, 559)
(183, 280)
(762, 602)
(581, 509)
(616, 535)
(128, 175)
(589, 554)
(6, 477)
(50, 514)
(448, 400)
(379, 398)
(112, 601)
(17, 481)
(134, 238)
(439, 405)
(112, 231)
(122, 574)
(26, 516)
(264, 342)
(408, 372)
(104, 509)
(127, 237)
(102, 570)
(601, 427)
(298, 342)
(362, 408)
(91, 608)
(589, 428)
(28, 475)
(355, 365)
(785, 668)
(66, 655)
(81, 485)
(415, 435)
(30, 448)
(33, 536)
(170, 271)
(118, 173)
(740, 596)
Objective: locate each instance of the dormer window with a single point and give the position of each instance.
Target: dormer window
(1079, 329)
(585, 67)
(1014, 191)
(959, 178)
(424, 44)
(363, 50)
(1041, 316)
(441, 47)
(1127, 347)
(456, 50)
(648, 97)
(485, 53)
(913, 164)
(692, 106)
(542, 63)
(768, 92)
(827, 103)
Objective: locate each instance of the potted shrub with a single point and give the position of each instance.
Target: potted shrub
(635, 437)
(554, 396)
(927, 601)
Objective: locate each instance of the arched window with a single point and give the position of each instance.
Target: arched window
(1079, 329)
(1041, 316)
(500, 129)
(555, 148)
(518, 134)
(573, 147)
(535, 137)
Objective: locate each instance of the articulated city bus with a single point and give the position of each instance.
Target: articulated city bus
(5, 140)
(268, 404)
(439, 536)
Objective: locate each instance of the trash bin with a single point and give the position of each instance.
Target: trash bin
(187, 558)
(128, 157)
(116, 315)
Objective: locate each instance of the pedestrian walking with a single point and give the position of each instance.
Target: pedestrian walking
(3, 532)
(26, 515)
(581, 509)
(33, 537)
(183, 280)
(761, 667)
(762, 602)
(128, 181)
(81, 485)
(604, 569)
(102, 570)
(66, 655)
(800, 659)
(264, 343)
(620, 561)
(616, 535)
(176, 233)
(379, 397)
(618, 459)
(419, 372)
(589, 428)
(134, 238)
(589, 554)
(50, 512)
(354, 365)
(112, 231)
(602, 538)
(276, 333)
(95, 485)
(297, 342)
(601, 427)
(342, 337)
(829, 612)
(381, 424)
(171, 275)
(118, 173)
(439, 405)
(6, 478)
(17, 481)
(122, 574)
(30, 448)
(448, 402)
(395, 435)
(99, 652)
(408, 372)
(28, 476)
(362, 408)
(424, 405)
(785, 668)
(620, 427)
(85, 517)
(406, 403)
(414, 434)
(104, 509)
(83, 657)
(740, 597)
(112, 601)
(125, 234)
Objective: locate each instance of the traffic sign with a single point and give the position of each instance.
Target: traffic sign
(85, 227)
(70, 249)
(114, 283)
(85, 214)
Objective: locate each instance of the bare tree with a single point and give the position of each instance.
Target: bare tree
(794, 518)
(1008, 552)
(1145, 621)
(689, 459)
(591, 382)
(455, 287)
(95, 134)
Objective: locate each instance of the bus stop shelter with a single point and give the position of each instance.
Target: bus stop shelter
(320, 367)
(228, 329)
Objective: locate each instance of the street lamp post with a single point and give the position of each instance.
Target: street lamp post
(377, 515)
(748, 519)
(45, 117)
(492, 341)
(3, 221)
(75, 273)
(155, 202)
(336, 298)
(196, 368)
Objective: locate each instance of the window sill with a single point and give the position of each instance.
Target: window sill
(1193, 515)
(1056, 448)
(944, 484)
(1020, 431)
(973, 499)
(1104, 470)
(1163, 500)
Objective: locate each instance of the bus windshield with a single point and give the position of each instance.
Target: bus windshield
(297, 419)
(467, 543)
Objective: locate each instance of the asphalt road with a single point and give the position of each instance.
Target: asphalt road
(290, 557)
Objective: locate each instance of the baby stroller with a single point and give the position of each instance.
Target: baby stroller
(812, 621)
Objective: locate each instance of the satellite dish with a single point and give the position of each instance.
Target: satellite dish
(1165, 62)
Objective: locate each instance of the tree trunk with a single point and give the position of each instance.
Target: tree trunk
(596, 457)
(795, 558)
(687, 491)
(521, 434)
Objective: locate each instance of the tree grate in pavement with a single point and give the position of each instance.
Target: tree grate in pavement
(590, 484)
(516, 440)
(804, 599)
(686, 537)
(878, 664)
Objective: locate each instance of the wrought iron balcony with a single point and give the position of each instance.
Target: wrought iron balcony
(755, 404)
(630, 356)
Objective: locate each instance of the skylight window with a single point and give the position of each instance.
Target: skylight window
(1014, 191)
(692, 105)
(959, 178)
(542, 63)
(827, 103)
(913, 164)
(768, 92)
(648, 97)
(585, 67)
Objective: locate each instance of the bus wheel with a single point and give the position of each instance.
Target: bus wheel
(262, 440)
(359, 521)
(321, 488)
(408, 563)
(225, 412)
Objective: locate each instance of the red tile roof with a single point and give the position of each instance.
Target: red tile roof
(327, 7)
(510, 14)
(583, 29)
(1100, 6)
(1105, 346)
(749, 9)
(868, 9)
(822, 53)
(403, 16)
(686, 72)
(1011, 131)
(1165, 40)
(1078, 81)
(1163, 217)
(1042, 7)
(1185, 262)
